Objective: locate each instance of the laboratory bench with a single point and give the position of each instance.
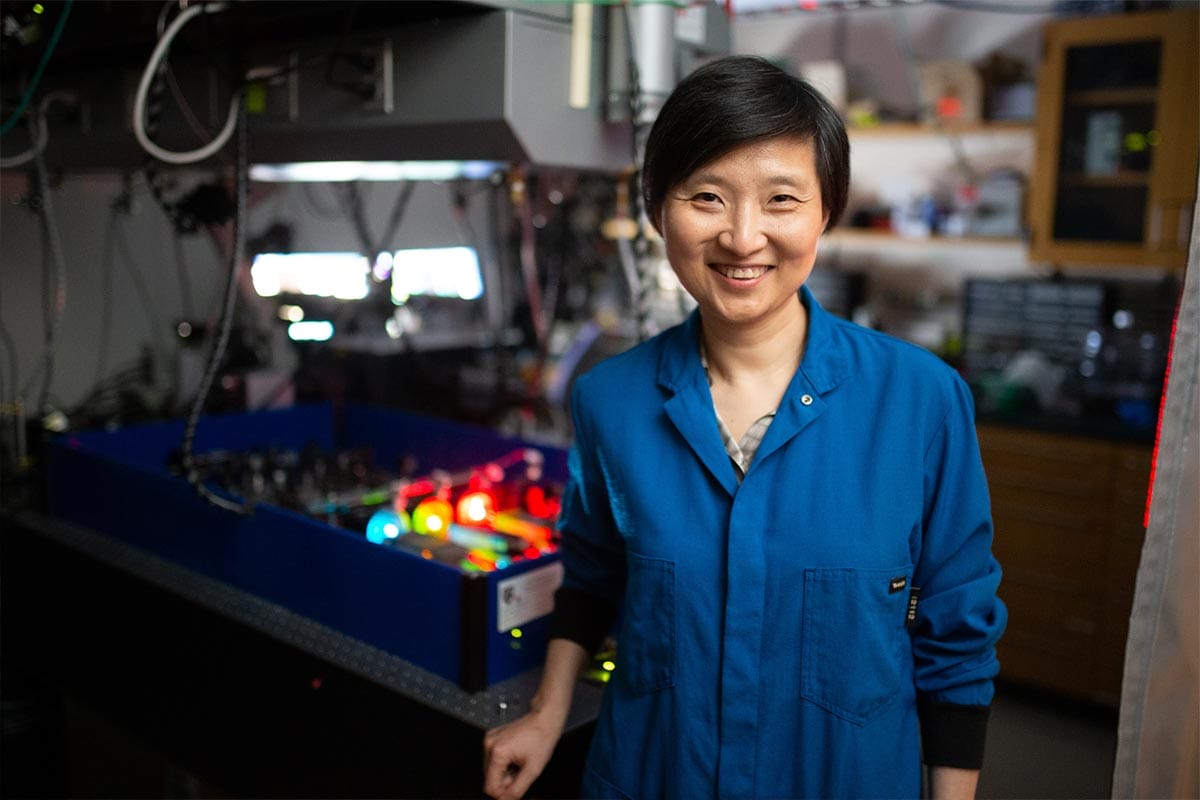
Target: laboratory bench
(246, 695)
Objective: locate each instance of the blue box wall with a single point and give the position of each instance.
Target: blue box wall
(118, 483)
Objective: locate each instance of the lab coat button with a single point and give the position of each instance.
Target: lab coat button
(806, 399)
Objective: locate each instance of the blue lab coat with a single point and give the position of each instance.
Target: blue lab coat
(764, 649)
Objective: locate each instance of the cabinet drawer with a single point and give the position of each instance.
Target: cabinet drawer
(1052, 639)
(1054, 557)
(1037, 447)
(1046, 464)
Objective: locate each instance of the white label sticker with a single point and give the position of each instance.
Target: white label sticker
(527, 596)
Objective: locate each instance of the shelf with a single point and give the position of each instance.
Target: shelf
(1113, 97)
(1118, 180)
(987, 128)
(859, 236)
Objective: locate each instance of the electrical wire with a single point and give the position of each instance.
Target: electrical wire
(56, 286)
(11, 352)
(181, 270)
(636, 254)
(148, 77)
(372, 247)
(460, 212)
(217, 354)
(333, 211)
(106, 298)
(387, 241)
(43, 131)
(14, 362)
(522, 198)
(37, 73)
(189, 116)
(168, 75)
(157, 328)
(103, 400)
(362, 90)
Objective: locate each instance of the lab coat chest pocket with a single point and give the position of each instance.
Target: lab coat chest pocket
(854, 643)
(646, 650)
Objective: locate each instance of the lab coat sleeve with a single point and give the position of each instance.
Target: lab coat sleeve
(959, 617)
(593, 552)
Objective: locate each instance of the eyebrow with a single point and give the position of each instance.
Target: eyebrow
(775, 180)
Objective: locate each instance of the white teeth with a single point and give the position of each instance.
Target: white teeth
(742, 273)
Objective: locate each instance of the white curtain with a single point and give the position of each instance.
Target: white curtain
(1158, 737)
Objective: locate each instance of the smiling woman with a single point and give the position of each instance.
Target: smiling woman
(742, 234)
(817, 614)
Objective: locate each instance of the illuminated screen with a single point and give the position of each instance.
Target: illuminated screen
(343, 276)
(436, 271)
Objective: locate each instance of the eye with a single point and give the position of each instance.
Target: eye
(783, 198)
(706, 197)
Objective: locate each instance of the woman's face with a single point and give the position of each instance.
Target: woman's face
(741, 232)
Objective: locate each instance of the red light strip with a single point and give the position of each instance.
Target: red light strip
(1162, 405)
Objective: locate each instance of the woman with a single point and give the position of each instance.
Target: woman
(788, 509)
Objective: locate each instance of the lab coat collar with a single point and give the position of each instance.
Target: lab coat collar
(690, 406)
(825, 357)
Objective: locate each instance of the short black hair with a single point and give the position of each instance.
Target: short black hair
(733, 101)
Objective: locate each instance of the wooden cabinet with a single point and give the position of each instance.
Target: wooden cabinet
(1118, 125)
(1068, 515)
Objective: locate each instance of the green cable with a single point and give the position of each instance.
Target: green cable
(37, 75)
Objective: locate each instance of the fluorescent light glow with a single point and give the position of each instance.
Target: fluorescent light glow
(339, 171)
(313, 330)
(383, 266)
(291, 313)
(340, 275)
(437, 271)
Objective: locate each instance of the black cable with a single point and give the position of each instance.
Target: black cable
(181, 270)
(217, 354)
(640, 245)
(54, 252)
(106, 298)
(104, 388)
(156, 325)
(362, 89)
(371, 247)
(359, 218)
(328, 212)
(460, 207)
(13, 360)
(393, 223)
(150, 166)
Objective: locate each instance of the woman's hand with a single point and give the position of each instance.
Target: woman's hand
(516, 753)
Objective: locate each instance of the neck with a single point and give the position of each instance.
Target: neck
(740, 352)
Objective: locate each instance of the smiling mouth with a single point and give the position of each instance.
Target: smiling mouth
(741, 273)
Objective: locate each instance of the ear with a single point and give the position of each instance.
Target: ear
(824, 220)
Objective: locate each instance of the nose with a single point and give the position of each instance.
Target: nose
(743, 233)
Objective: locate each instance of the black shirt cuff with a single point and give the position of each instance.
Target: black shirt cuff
(581, 617)
(952, 735)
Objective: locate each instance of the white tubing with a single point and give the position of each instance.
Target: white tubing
(139, 101)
